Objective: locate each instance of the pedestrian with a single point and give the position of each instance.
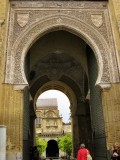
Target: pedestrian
(31, 153)
(35, 153)
(116, 151)
(82, 152)
(119, 151)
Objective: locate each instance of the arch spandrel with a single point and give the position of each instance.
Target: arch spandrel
(91, 36)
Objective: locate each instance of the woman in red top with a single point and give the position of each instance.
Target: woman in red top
(82, 153)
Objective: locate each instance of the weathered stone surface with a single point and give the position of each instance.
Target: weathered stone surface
(11, 101)
(91, 19)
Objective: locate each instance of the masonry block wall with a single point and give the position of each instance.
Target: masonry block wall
(11, 101)
(111, 110)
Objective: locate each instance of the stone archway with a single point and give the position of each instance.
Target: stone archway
(61, 87)
(57, 85)
(22, 45)
(33, 31)
(96, 34)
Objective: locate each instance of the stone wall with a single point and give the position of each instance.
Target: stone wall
(3, 26)
(111, 110)
(110, 97)
(11, 101)
(11, 111)
(114, 12)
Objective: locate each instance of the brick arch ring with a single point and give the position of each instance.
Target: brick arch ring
(36, 30)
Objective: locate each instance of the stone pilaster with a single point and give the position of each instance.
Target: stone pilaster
(4, 7)
(75, 131)
(11, 111)
(111, 110)
(114, 12)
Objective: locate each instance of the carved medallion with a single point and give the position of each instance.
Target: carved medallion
(59, 20)
(22, 19)
(97, 19)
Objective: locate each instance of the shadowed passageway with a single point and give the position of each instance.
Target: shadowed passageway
(52, 149)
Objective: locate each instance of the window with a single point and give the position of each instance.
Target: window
(38, 122)
(47, 123)
(55, 122)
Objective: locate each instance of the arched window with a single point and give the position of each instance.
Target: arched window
(50, 114)
(55, 122)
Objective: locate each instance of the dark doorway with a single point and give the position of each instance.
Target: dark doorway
(52, 149)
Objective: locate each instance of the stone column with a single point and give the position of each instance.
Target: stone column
(2, 142)
(75, 135)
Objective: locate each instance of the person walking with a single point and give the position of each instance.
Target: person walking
(82, 152)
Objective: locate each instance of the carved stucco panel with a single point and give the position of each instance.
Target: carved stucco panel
(63, 22)
(85, 16)
(77, 17)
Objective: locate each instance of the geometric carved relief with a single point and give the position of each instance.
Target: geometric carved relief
(93, 27)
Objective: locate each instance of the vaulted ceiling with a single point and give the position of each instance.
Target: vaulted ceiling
(58, 56)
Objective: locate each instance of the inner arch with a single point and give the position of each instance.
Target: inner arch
(62, 100)
(61, 60)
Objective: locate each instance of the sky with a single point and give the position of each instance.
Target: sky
(63, 102)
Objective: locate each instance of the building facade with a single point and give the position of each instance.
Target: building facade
(48, 116)
(71, 46)
(50, 126)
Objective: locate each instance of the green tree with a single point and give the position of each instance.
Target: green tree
(65, 144)
(41, 144)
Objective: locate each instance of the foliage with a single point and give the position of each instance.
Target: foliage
(65, 143)
(41, 144)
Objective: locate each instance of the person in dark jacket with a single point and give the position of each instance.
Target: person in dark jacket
(31, 153)
(116, 152)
